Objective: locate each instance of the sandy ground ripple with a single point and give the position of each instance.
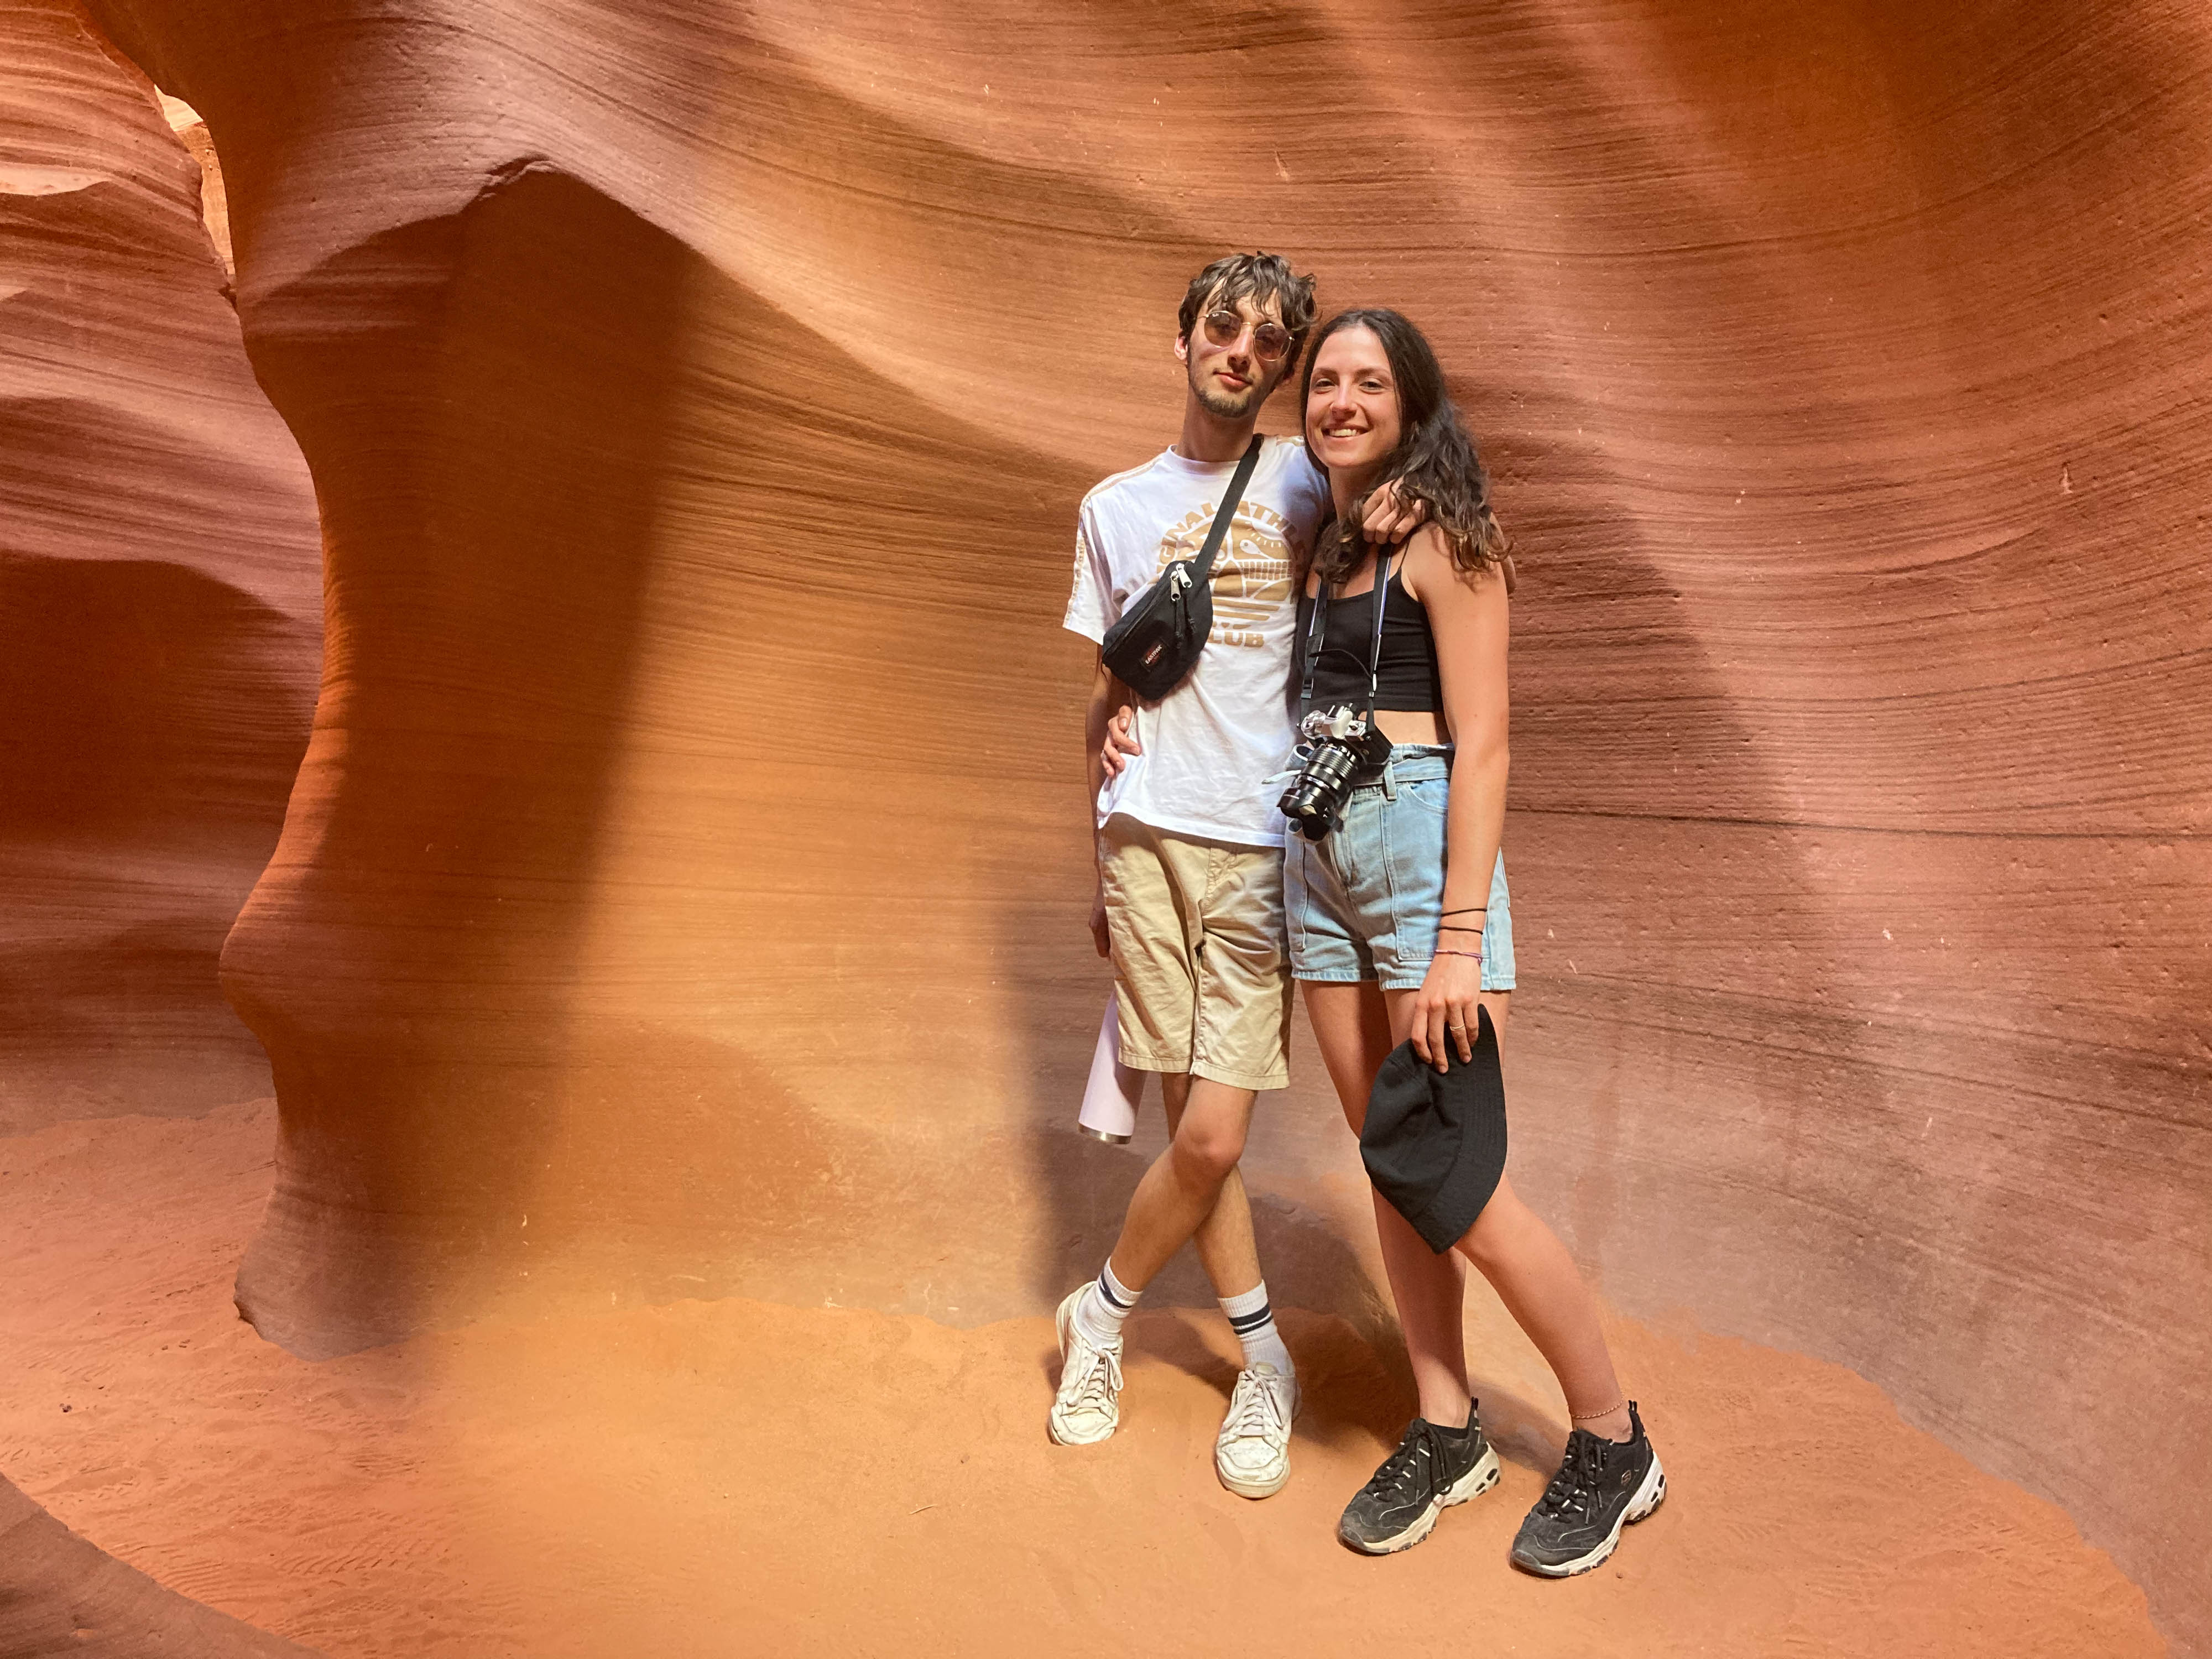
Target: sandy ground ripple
(739, 1478)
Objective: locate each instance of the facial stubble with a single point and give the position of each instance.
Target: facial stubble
(1226, 406)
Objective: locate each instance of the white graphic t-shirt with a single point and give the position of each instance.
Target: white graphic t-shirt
(1212, 743)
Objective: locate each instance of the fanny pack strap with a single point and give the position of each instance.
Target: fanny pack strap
(1317, 630)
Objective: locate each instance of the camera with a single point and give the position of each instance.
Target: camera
(1339, 745)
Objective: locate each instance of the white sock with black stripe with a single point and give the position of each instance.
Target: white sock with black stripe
(1254, 1322)
(1103, 1310)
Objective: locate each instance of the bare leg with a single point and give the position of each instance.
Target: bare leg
(1183, 1187)
(1538, 1282)
(1543, 1290)
(1225, 1247)
(1351, 1028)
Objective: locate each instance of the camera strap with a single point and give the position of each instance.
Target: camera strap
(1317, 632)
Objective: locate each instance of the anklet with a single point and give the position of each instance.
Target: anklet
(1592, 1416)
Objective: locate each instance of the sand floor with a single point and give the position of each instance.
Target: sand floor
(735, 1478)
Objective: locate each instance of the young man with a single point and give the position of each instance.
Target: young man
(1190, 846)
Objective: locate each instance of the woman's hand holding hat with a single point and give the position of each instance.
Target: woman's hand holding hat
(1444, 1008)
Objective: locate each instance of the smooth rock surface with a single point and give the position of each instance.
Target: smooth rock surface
(684, 891)
(159, 599)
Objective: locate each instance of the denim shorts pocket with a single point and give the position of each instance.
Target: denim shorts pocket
(1414, 855)
(1430, 794)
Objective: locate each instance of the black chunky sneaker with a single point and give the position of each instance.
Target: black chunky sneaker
(1602, 1485)
(1432, 1469)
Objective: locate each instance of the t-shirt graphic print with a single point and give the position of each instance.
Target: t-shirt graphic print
(1251, 573)
(1212, 745)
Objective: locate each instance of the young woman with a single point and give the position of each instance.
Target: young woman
(1400, 930)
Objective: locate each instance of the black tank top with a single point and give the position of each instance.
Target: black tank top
(1408, 678)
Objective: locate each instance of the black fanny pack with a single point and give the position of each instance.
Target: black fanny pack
(1154, 646)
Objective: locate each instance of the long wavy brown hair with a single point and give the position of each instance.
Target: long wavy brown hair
(1435, 461)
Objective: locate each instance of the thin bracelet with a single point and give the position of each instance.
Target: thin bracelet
(1477, 954)
(1466, 909)
(1592, 1416)
(1455, 927)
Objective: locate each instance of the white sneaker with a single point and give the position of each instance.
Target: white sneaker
(1087, 1408)
(1252, 1454)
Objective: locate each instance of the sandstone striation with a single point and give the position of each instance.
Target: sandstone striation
(159, 594)
(683, 893)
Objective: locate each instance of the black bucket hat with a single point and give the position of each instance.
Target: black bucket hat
(1434, 1143)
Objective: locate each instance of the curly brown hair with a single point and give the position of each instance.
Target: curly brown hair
(1435, 462)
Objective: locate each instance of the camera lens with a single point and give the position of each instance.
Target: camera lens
(1314, 799)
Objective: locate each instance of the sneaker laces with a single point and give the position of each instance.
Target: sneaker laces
(1574, 1489)
(1401, 1473)
(1098, 1382)
(1254, 1411)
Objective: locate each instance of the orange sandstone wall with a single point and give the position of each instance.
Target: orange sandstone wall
(159, 600)
(683, 889)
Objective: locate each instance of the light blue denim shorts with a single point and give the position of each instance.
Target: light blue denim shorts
(1366, 900)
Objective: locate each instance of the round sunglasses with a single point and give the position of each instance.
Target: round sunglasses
(1269, 340)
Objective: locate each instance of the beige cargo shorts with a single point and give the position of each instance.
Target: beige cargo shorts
(1201, 958)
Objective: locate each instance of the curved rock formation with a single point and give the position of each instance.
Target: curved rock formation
(159, 588)
(684, 884)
